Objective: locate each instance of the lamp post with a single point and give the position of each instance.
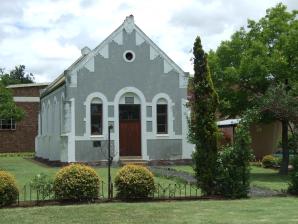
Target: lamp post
(110, 159)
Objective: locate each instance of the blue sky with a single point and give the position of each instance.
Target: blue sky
(47, 35)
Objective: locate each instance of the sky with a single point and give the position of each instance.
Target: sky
(47, 35)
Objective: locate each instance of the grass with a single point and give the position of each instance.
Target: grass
(24, 169)
(260, 177)
(268, 178)
(261, 210)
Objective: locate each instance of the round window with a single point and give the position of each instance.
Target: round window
(129, 56)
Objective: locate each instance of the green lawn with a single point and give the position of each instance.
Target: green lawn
(25, 169)
(261, 210)
(260, 177)
(268, 178)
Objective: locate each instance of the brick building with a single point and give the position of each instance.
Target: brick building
(20, 136)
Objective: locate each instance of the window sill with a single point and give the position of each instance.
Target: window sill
(97, 136)
(162, 135)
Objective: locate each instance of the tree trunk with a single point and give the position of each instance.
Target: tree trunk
(285, 150)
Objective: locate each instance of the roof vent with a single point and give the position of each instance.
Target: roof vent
(85, 50)
(129, 24)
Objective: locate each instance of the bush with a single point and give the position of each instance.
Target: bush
(8, 189)
(233, 168)
(42, 183)
(134, 181)
(269, 161)
(293, 186)
(76, 182)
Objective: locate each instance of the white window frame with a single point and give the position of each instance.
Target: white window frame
(87, 118)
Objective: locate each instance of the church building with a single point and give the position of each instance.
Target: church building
(127, 83)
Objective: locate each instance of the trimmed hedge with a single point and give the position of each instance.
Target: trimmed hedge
(269, 161)
(8, 189)
(76, 182)
(134, 181)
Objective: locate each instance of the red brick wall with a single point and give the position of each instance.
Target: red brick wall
(23, 138)
(27, 91)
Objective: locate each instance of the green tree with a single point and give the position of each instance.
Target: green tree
(263, 54)
(8, 108)
(203, 128)
(16, 76)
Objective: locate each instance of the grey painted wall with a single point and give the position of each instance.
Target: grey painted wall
(112, 74)
(159, 149)
(50, 144)
(86, 152)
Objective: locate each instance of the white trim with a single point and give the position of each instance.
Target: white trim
(71, 134)
(29, 99)
(143, 121)
(170, 116)
(28, 85)
(87, 119)
(187, 148)
(117, 36)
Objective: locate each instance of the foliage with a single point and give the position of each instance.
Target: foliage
(263, 53)
(269, 161)
(281, 104)
(293, 186)
(76, 182)
(134, 181)
(17, 154)
(8, 189)
(42, 183)
(293, 143)
(8, 108)
(16, 76)
(233, 165)
(203, 129)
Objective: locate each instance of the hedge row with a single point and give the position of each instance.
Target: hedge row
(79, 182)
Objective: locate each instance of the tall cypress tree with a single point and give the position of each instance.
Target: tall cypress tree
(202, 123)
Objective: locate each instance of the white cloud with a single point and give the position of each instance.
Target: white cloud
(47, 36)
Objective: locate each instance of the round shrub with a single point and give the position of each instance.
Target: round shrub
(134, 181)
(269, 161)
(8, 189)
(76, 182)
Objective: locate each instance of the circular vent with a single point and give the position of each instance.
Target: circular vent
(129, 56)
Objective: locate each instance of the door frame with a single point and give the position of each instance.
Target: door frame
(142, 99)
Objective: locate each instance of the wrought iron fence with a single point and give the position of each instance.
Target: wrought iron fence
(35, 195)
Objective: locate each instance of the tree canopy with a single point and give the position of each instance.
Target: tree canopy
(16, 76)
(262, 54)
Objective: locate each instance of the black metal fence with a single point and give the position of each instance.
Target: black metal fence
(32, 195)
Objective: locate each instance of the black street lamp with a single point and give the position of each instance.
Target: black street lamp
(110, 160)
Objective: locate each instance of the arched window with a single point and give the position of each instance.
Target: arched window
(96, 116)
(162, 116)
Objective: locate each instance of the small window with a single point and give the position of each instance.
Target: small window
(162, 118)
(96, 119)
(7, 124)
(129, 100)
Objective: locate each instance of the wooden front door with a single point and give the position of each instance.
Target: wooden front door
(130, 130)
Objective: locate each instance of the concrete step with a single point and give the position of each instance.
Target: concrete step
(130, 157)
(135, 160)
